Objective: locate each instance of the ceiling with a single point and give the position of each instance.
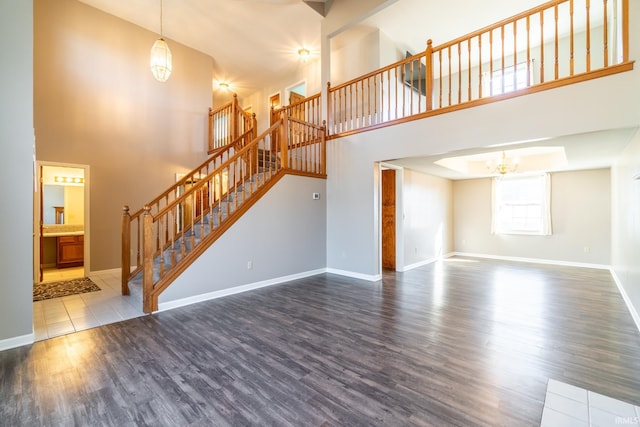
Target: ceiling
(255, 42)
(593, 150)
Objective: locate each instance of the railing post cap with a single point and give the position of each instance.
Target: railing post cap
(147, 209)
(429, 42)
(125, 208)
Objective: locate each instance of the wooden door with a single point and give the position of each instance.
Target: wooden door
(389, 219)
(274, 104)
(297, 111)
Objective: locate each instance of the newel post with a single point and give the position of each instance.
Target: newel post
(147, 261)
(324, 147)
(210, 142)
(284, 141)
(329, 106)
(235, 112)
(429, 75)
(126, 250)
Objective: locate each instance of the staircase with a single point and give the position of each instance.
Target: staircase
(175, 228)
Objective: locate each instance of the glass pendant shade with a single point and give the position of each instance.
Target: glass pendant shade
(160, 60)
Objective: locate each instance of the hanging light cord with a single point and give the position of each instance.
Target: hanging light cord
(160, 18)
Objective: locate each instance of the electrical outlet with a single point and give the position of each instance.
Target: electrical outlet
(587, 249)
(315, 196)
(249, 265)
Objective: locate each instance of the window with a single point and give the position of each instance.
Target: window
(504, 81)
(521, 205)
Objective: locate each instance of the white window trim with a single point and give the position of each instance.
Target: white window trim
(546, 228)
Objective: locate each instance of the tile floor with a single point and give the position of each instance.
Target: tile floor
(60, 316)
(567, 406)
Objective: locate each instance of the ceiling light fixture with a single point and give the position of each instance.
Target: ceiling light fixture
(160, 56)
(224, 86)
(503, 166)
(304, 54)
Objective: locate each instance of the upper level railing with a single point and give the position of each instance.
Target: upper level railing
(558, 43)
(308, 110)
(227, 123)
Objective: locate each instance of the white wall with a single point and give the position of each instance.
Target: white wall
(625, 258)
(283, 234)
(16, 172)
(600, 104)
(580, 216)
(428, 217)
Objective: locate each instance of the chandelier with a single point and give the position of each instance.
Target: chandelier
(504, 166)
(160, 56)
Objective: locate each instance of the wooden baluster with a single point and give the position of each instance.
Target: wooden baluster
(625, 30)
(284, 149)
(541, 46)
(502, 58)
(449, 61)
(395, 83)
(160, 247)
(459, 74)
(389, 94)
(528, 51)
(173, 235)
(556, 41)
(469, 83)
(515, 55)
(440, 78)
(491, 63)
(147, 255)
(324, 147)
(126, 250)
(606, 33)
(571, 40)
(210, 140)
(588, 5)
(138, 242)
(375, 100)
(351, 118)
(480, 66)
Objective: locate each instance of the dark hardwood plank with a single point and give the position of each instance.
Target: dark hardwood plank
(462, 342)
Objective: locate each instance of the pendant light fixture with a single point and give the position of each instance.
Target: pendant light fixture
(160, 56)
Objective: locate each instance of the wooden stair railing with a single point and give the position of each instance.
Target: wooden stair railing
(173, 236)
(132, 232)
(526, 53)
(227, 123)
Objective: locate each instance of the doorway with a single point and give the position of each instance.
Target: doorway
(61, 222)
(390, 217)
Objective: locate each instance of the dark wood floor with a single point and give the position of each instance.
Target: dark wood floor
(463, 342)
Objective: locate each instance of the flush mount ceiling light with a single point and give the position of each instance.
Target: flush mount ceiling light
(503, 166)
(304, 54)
(160, 56)
(223, 86)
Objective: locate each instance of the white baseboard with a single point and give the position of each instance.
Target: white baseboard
(17, 341)
(625, 297)
(109, 271)
(425, 262)
(535, 260)
(353, 274)
(235, 290)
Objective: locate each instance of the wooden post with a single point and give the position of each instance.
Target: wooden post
(210, 142)
(235, 109)
(126, 250)
(253, 152)
(324, 147)
(284, 140)
(329, 107)
(625, 30)
(429, 75)
(147, 261)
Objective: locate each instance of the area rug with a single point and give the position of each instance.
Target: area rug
(64, 288)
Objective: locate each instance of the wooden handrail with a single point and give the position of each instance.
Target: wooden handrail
(167, 227)
(485, 65)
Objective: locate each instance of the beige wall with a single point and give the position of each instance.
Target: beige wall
(580, 216)
(97, 104)
(16, 173)
(427, 217)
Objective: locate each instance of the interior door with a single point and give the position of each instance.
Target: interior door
(389, 219)
(298, 110)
